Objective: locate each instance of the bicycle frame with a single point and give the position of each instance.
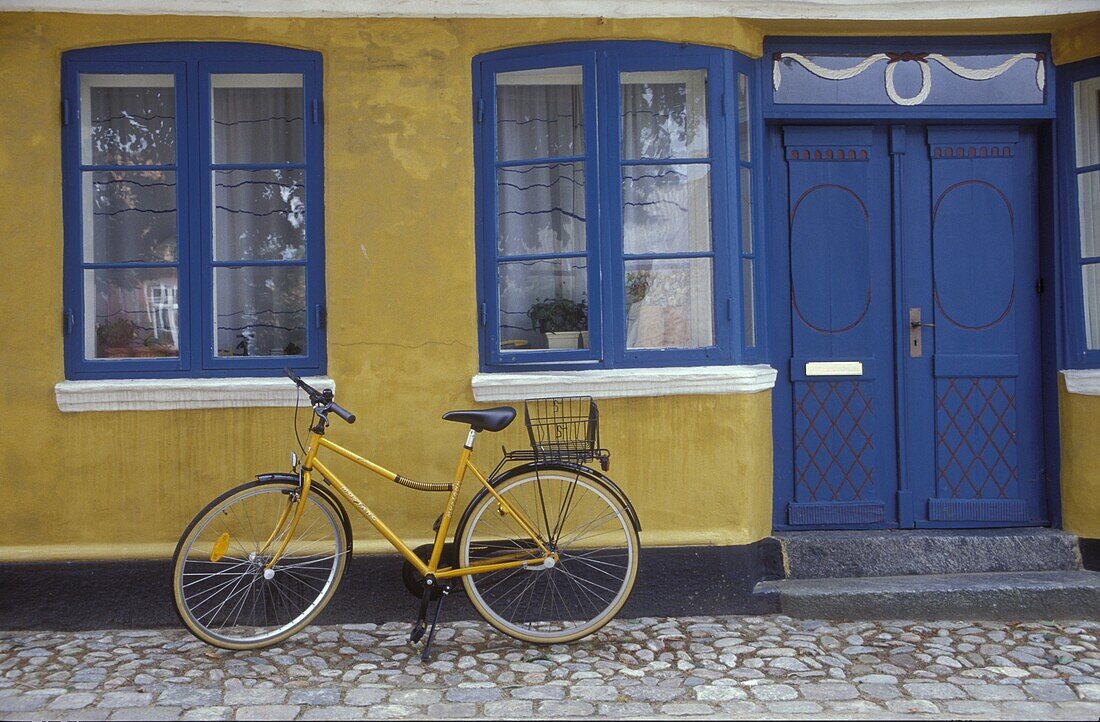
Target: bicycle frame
(311, 463)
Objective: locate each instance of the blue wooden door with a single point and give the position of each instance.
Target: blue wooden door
(880, 422)
(844, 468)
(972, 423)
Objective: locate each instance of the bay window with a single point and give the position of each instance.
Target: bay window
(609, 206)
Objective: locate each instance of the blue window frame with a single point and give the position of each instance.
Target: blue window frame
(194, 219)
(609, 214)
(1079, 159)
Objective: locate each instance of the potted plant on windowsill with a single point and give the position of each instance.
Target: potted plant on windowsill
(561, 319)
(114, 338)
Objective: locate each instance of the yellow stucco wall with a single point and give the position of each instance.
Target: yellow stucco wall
(1079, 418)
(1079, 41)
(400, 274)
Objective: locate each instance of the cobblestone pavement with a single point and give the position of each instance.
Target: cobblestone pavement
(688, 667)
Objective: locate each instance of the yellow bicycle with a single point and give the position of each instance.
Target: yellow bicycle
(547, 549)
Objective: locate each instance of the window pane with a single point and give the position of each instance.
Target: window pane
(746, 210)
(666, 208)
(131, 312)
(1091, 281)
(127, 119)
(664, 114)
(1088, 210)
(543, 304)
(129, 216)
(260, 311)
(540, 113)
(744, 118)
(540, 209)
(748, 302)
(1086, 106)
(669, 303)
(259, 214)
(257, 118)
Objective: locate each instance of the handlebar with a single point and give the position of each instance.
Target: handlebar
(341, 412)
(321, 398)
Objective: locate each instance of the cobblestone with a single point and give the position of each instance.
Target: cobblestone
(686, 667)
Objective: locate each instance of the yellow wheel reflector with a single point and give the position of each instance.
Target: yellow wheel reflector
(219, 547)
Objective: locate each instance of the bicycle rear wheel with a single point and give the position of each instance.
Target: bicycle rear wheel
(581, 519)
(223, 593)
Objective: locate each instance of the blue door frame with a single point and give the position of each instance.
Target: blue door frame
(1036, 121)
(901, 461)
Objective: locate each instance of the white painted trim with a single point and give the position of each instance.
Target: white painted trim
(1083, 381)
(621, 383)
(164, 394)
(749, 9)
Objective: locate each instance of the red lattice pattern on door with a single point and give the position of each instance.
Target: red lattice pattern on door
(834, 445)
(976, 453)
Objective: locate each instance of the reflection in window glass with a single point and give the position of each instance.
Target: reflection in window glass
(666, 208)
(131, 313)
(748, 302)
(132, 216)
(540, 209)
(664, 114)
(1086, 110)
(669, 303)
(744, 118)
(543, 304)
(1090, 278)
(1088, 210)
(257, 118)
(540, 113)
(260, 311)
(259, 214)
(746, 210)
(127, 119)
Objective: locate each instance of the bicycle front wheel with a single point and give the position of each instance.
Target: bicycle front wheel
(579, 518)
(224, 593)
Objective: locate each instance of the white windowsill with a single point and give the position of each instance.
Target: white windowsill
(1083, 381)
(165, 394)
(621, 383)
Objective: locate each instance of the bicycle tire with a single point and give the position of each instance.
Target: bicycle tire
(225, 598)
(588, 525)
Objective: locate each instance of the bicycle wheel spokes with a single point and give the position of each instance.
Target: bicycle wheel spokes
(595, 548)
(226, 593)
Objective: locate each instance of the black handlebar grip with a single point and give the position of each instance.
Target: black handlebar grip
(342, 412)
(312, 392)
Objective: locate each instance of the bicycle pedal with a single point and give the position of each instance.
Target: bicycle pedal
(418, 630)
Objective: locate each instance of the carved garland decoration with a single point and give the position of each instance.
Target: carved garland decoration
(892, 59)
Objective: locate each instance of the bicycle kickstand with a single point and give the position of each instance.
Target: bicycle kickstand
(421, 624)
(446, 589)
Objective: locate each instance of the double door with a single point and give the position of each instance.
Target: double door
(913, 394)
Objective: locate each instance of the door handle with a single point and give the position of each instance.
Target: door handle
(915, 341)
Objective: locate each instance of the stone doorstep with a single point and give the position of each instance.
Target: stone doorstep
(888, 553)
(986, 596)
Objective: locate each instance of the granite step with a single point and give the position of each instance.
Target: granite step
(891, 553)
(1020, 596)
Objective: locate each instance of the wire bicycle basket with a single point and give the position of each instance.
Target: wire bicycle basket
(563, 429)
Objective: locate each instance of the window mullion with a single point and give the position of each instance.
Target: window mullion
(599, 250)
(195, 291)
(610, 131)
